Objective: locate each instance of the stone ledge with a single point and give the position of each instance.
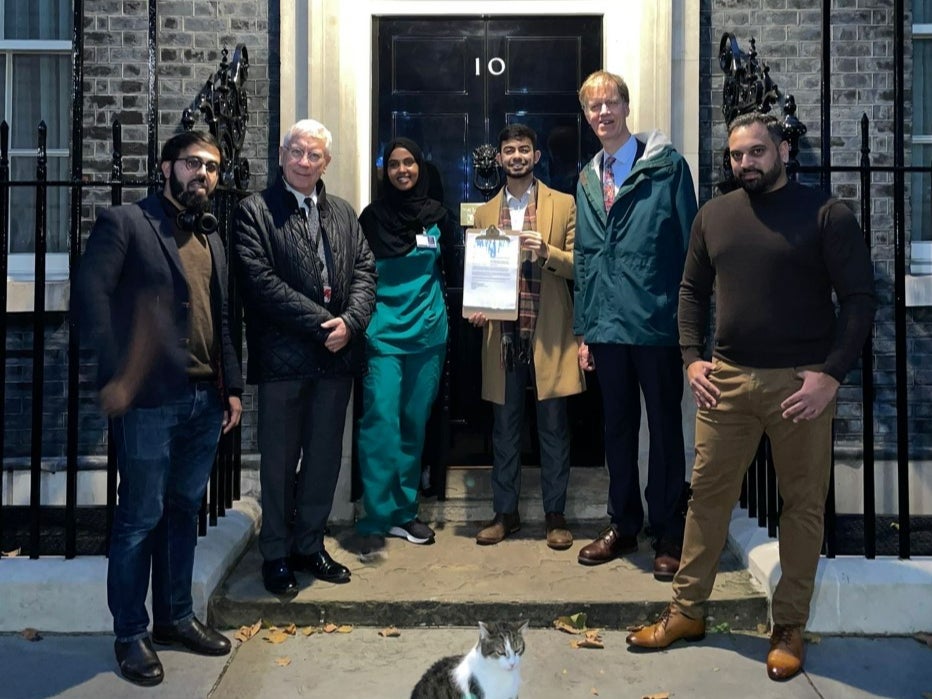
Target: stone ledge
(853, 595)
(54, 594)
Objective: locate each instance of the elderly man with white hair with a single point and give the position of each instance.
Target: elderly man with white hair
(307, 278)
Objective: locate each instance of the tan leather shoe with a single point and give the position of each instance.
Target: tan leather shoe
(787, 652)
(559, 536)
(502, 525)
(672, 626)
(609, 546)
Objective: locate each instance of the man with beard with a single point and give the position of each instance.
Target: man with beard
(151, 292)
(307, 277)
(636, 201)
(772, 251)
(538, 349)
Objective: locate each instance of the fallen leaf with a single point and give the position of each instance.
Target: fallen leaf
(593, 639)
(246, 632)
(329, 628)
(345, 628)
(10, 554)
(390, 632)
(276, 636)
(575, 623)
(924, 638)
(661, 695)
(812, 638)
(291, 629)
(594, 692)
(283, 662)
(309, 630)
(31, 634)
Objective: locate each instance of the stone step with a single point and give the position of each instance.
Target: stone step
(454, 582)
(469, 496)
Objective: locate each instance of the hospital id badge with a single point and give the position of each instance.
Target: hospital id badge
(426, 241)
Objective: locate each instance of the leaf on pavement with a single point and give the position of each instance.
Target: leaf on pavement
(594, 692)
(390, 632)
(574, 623)
(812, 638)
(276, 635)
(345, 628)
(246, 632)
(329, 628)
(291, 629)
(593, 639)
(658, 695)
(31, 634)
(309, 630)
(10, 554)
(284, 661)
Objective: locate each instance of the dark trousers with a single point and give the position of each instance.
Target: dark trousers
(624, 372)
(553, 432)
(164, 455)
(302, 418)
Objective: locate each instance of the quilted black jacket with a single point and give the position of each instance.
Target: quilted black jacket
(283, 297)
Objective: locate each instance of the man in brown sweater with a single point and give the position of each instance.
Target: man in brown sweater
(773, 251)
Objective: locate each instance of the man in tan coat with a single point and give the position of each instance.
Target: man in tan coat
(537, 349)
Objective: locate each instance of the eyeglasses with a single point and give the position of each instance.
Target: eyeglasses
(596, 107)
(297, 154)
(193, 163)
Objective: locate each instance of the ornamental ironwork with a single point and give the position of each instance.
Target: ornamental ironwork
(223, 104)
(749, 88)
(487, 177)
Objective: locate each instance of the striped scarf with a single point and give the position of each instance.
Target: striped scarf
(517, 335)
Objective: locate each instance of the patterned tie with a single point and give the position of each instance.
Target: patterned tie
(608, 182)
(317, 239)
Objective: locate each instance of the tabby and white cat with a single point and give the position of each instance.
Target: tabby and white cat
(491, 670)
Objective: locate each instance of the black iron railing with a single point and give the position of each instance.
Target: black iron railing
(749, 87)
(38, 529)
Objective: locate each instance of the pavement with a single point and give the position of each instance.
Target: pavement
(361, 664)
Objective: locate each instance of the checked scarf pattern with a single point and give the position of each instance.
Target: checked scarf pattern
(517, 335)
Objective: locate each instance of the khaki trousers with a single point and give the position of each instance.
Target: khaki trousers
(726, 440)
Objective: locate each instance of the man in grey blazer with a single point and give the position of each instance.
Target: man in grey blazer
(151, 298)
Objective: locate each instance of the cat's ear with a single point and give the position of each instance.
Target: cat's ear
(483, 631)
(523, 625)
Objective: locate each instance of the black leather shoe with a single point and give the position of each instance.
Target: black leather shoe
(138, 662)
(194, 636)
(278, 577)
(321, 566)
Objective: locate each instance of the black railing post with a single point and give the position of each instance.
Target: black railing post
(899, 277)
(116, 197)
(38, 342)
(4, 252)
(867, 368)
(74, 255)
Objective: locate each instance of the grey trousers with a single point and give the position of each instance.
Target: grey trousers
(299, 419)
(553, 431)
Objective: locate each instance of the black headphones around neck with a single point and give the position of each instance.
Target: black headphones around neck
(197, 221)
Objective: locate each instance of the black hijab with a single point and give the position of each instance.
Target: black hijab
(392, 222)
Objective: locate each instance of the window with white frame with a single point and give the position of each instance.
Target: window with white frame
(35, 86)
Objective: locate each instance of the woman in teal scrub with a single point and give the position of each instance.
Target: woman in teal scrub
(406, 343)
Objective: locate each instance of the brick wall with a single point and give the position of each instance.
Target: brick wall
(191, 35)
(788, 35)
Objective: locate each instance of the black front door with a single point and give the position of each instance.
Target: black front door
(450, 84)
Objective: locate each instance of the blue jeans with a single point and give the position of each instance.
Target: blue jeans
(165, 456)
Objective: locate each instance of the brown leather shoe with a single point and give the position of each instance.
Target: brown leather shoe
(787, 652)
(559, 536)
(666, 560)
(672, 626)
(609, 546)
(502, 525)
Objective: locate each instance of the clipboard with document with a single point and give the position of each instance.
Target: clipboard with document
(490, 274)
